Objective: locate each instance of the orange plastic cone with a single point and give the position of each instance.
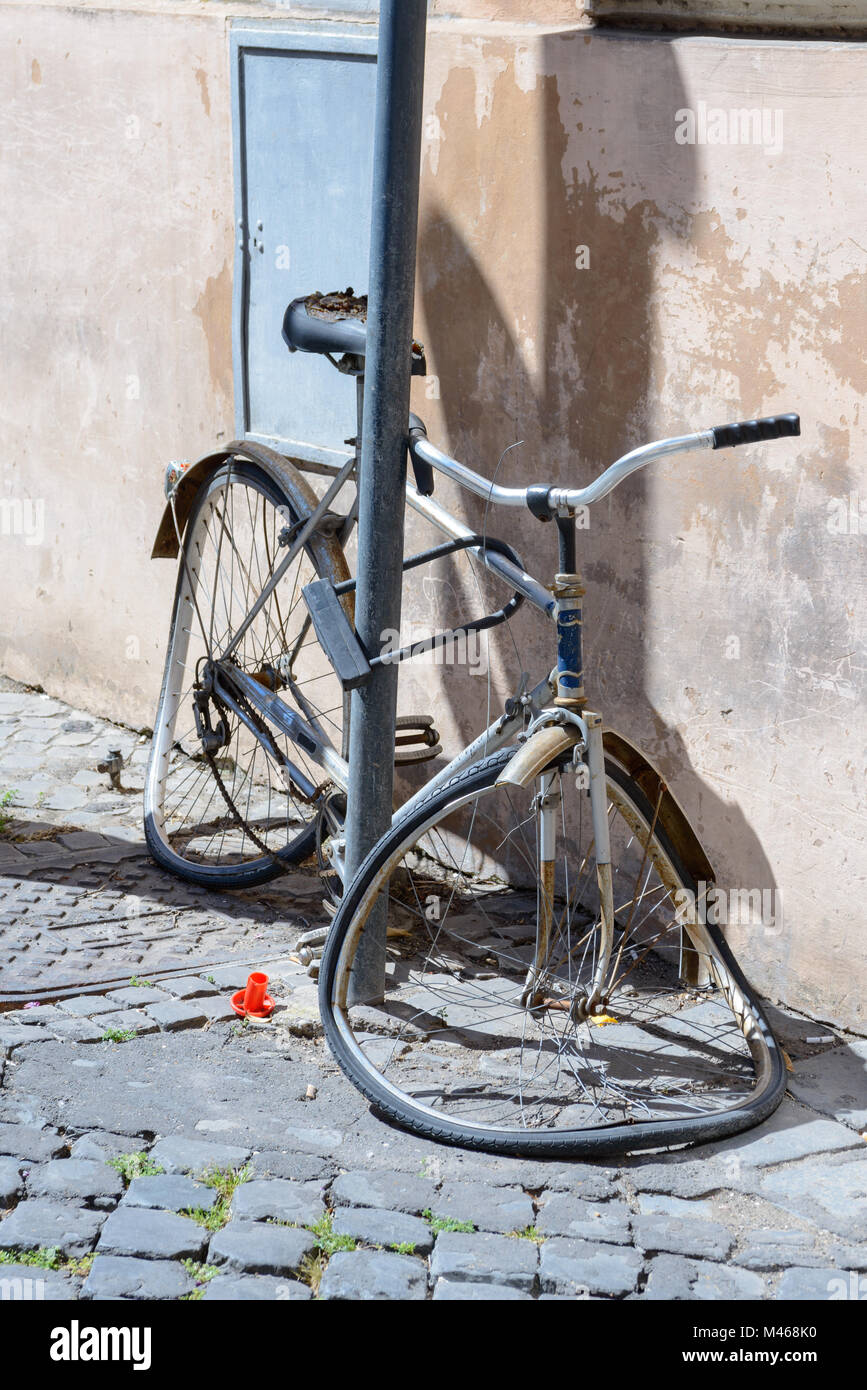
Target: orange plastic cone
(253, 1000)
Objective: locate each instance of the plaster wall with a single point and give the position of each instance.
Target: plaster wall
(587, 280)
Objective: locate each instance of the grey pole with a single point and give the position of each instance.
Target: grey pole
(391, 286)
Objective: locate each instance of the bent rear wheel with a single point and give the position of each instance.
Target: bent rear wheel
(479, 1035)
(234, 819)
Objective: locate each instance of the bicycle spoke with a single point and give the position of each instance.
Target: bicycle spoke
(463, 913)
(233, 550)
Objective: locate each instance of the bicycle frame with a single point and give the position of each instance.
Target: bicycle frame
(559, 697)
(561, 606)
(564, 684)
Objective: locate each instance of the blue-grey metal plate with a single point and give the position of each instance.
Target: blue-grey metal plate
(303, 114)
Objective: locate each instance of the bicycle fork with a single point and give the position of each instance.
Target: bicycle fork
(547, 803)
(602, 841)
(555, 730)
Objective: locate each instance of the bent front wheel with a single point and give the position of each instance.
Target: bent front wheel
(476, 1029)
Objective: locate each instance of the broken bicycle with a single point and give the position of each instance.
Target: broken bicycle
(549, 982)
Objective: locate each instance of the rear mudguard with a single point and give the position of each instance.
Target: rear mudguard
(280, 469)
(549, 742)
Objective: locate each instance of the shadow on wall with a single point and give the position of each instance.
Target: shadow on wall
(583, 392)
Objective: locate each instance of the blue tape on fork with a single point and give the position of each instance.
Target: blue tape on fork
(570, 674)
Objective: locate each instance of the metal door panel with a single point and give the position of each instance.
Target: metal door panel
(303, 112)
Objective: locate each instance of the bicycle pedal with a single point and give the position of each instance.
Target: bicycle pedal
(415, 729)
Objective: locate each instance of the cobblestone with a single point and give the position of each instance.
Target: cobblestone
(562, 1215)
(819, 1285)
(216, 1010)
(834, 1195)
(578, 1267)
(155, 1235)
(500, 1209)
(388, 1228)
(44, 1224)
(484, 1259)
(196, 1156)
(170, 1192)
(128, 1020)
(28, 1142)
(257, 1248)
(298, 1167)
(173, 1015)
(187, 988)
(590, 1183)
(790, 1133)
(87, 1005)
(368, 1275)
(769, 1249)
(76, 1179)
(138, 996)
(274, 1199)
(395, 1191)
(678, 1236)
(100, 1145)
(674, 1278)
(29, 1284)
(247, 1287)
(120, 1276)
(848, 1256)
(11, 1182)
(451, 1291)
(78, 1030)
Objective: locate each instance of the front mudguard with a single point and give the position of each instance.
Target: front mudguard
(551, 741)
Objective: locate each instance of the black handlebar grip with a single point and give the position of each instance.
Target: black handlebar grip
(754, 431)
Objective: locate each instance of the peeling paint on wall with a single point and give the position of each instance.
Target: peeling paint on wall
(214, 309)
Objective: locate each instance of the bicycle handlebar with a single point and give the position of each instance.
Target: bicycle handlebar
(753, 431)
(553, 501)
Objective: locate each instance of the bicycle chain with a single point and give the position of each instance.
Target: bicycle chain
(233, 810)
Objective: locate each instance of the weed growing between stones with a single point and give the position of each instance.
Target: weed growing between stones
(135, 1165)
(48, 1257)
(528, 1233)
(446, 1223)
(202, 1274)
(224, 1181)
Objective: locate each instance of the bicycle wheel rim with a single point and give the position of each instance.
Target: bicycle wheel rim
(605, 1135)
(200, 839)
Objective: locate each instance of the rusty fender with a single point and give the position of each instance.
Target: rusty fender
(549, 743)
(280, 469)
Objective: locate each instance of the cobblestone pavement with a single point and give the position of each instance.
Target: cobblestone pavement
(152, 1147)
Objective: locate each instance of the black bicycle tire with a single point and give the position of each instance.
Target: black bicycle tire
(600, 1142)
(323, 551)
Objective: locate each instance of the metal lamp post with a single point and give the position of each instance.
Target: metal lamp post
(394, 226)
